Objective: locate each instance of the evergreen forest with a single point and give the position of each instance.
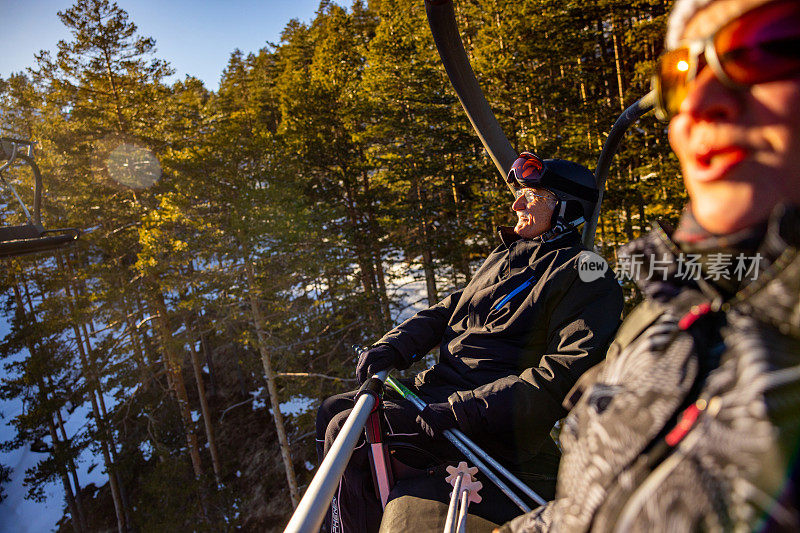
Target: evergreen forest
(237, 244)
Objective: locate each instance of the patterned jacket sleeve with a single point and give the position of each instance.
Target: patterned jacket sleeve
(538, 520)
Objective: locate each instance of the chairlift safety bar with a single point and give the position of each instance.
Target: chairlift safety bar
(310, 512)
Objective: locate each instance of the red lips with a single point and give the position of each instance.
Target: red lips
(715, 163)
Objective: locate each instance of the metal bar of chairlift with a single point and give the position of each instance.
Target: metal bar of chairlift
(624, 121)
(441, 19)
(37, 188)
(13, 157)
(479, 458)
(444, 29)
(31, 237)
(310, 512)
(14, 145)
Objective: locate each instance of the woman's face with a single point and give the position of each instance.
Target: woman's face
(739, 149)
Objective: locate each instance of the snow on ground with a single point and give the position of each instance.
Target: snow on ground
(297, 405)
(294, 406)
(407, 285)
(259, 398)
(17, 514)
(20, 515)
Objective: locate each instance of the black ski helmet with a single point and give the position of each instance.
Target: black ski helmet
(573, 184)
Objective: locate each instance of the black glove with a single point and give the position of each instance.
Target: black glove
(378, 358)
(435, 418)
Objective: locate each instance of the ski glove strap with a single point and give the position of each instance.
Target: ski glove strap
(436, 418)
(377, 358)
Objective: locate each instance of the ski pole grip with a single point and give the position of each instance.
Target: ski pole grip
(374, 387)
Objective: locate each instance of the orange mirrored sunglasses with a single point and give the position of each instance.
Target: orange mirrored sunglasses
(759, 46)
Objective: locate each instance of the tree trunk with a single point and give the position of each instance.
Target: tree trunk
(77, 514)
(94, 392)
(73, 471)
(430, 276)
(258, 322)
(201, 392)
(628, 221)
(427, 254)
(604, 59)
(618, 65)
(78, 520)
(93, 385)
(210, 363)
(382, 294)
(364, 244)
(374, 244)
(141, 363)
(77, 288)
(614, 228)
(603, 241)
(173, 365)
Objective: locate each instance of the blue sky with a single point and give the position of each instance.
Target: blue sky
(196, 37)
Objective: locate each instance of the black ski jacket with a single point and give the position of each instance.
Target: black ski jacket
(514, 341)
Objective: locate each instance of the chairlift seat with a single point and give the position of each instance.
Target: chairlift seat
(29, 238)
(23, 232)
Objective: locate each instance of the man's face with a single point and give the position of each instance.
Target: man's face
(739, 149)
(534, 209)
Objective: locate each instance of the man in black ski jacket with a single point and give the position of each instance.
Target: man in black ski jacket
(692, 423)
(511, 345)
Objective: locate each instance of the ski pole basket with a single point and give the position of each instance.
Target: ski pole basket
(32, 236)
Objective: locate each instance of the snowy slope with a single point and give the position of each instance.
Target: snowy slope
(16, 513)
(19, 515)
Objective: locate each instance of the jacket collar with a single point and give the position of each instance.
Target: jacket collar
(507, 235)
(567, 238)
(773, 296)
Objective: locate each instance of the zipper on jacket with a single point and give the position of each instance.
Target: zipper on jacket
(513, 293)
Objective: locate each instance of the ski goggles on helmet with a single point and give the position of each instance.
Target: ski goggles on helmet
(759, 46)
(527, 170)
(562, 178)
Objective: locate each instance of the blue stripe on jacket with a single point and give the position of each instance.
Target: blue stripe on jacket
(513, 293)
